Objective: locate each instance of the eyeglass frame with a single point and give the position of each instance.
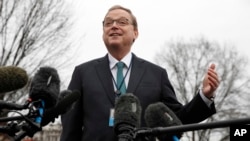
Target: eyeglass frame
(117, 21)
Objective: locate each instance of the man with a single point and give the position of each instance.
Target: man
(98, 84)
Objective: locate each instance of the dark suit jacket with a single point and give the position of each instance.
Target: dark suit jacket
(88, 120)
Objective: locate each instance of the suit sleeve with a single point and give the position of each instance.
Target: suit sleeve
(72, 120)
(194, 111)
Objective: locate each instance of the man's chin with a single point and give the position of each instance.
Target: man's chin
(115, 44)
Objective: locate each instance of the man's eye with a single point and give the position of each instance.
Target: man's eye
(108, 22)
(122, 22)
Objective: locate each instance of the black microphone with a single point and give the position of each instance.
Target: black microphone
(127, 116)
(66, 100)
(12, 78)
(44, 90)
(159, 115)
(45, 86)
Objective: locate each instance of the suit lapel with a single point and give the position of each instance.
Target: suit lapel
(103, 72)
(137, 71)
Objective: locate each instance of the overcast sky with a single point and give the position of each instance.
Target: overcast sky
(225, 21)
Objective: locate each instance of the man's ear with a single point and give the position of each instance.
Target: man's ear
(136, 35)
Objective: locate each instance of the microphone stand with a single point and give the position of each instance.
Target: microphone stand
(10, 129)
(190, 127)
(28, 127)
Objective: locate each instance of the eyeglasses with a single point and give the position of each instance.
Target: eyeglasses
(120, 22)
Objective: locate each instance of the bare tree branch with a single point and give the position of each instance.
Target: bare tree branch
(187, 62)
(34, 33)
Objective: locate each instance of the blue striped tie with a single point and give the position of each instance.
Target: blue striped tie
(120, 78)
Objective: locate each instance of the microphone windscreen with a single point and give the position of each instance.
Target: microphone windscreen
(61, 107)
(45, 86)
(64, 94)
(68, 96)
(159, 115)
(127, 112)
(12, 78)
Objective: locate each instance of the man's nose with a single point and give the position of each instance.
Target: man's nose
(114, 23)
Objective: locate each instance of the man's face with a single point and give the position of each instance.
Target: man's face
(118, 30)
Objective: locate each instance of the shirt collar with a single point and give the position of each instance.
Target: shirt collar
(126, 60)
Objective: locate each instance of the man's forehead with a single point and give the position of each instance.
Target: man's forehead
(117, 13)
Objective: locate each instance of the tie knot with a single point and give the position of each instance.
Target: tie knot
(120, 64)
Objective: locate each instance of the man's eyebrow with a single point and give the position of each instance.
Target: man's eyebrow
(113, 18)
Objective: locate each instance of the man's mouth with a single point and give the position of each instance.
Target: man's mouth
(114, 34)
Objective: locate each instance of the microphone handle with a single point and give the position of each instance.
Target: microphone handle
(38, 119)
(11, 106)
(175, 138)
(4, 119)
(32, 126)
(20, 136)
